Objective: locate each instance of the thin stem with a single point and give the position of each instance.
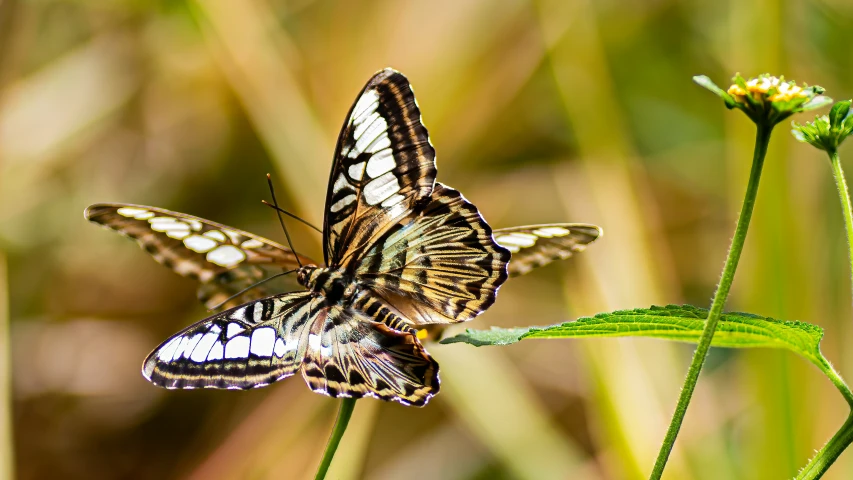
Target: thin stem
(827, 455)
(344, 414)
(762, 138)
(844, 196)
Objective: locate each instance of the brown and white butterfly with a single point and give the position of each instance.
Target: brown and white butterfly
(400, 250)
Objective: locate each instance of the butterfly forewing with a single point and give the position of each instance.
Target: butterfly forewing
(224, 259)
(245, 347)
(384, 166)
(441, 267)
(537, 245)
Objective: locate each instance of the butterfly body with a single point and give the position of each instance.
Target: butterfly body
(335, 285)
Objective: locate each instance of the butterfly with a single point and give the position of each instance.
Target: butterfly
(400, 251)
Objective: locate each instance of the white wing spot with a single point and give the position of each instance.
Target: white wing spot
(511, 248)
(340, 204)
(363, 124)
(131, 212)
(393, 200)
(252, 243)
(356, 171)
(180, 349)
(313, 341)
(216, 352)
(168, 351)
(203, 348)
(191, 343)
(374, 137)
(279, 348)
(380, 163)
(216, 235)
(549, 232)
(178, 234)
(233, 329)
(237, 347)
(195, 224)
(258, 312)
(367, 103)
(340, 183)
(381, 188)
(168, 225)
(517, 239)
(263, 341)
(199, 244)
(226, 256)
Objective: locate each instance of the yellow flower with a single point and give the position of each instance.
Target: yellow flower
(767, 88)
(766, 99)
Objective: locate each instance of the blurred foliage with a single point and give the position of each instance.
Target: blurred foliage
(541, 111)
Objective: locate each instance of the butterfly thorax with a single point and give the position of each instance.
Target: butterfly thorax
(334, 284)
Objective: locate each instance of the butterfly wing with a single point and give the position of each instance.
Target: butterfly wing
(342, 351)
(245, 347)
(365, 350)
(384, 166)
(441, 267)
(224, 259)
(537, 245)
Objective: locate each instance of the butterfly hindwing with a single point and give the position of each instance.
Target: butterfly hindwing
(224, 259)
(245, 347)
(441, 267)
(537, 245)
(365, 350)
(384, 166)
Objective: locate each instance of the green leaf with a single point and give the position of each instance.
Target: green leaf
(680, 323)
(705, 82)
(839, 113)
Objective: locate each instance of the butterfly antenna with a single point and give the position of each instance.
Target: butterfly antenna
(232, 297)
(281, 221)
(290, 215)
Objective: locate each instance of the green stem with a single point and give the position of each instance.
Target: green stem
(844, 196)
(827, 455)
(762, 138)
(344, 414)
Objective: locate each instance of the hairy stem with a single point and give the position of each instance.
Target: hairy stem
(827, 455)
(762, 138)
(344, 414)
(844, 197)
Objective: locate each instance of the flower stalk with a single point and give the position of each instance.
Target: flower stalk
(766, 100)
(344, 414)
(762, 139)
(826, 133)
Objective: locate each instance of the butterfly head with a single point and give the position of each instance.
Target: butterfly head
(307, 275)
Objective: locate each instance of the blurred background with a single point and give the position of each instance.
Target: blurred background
(540, 111)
